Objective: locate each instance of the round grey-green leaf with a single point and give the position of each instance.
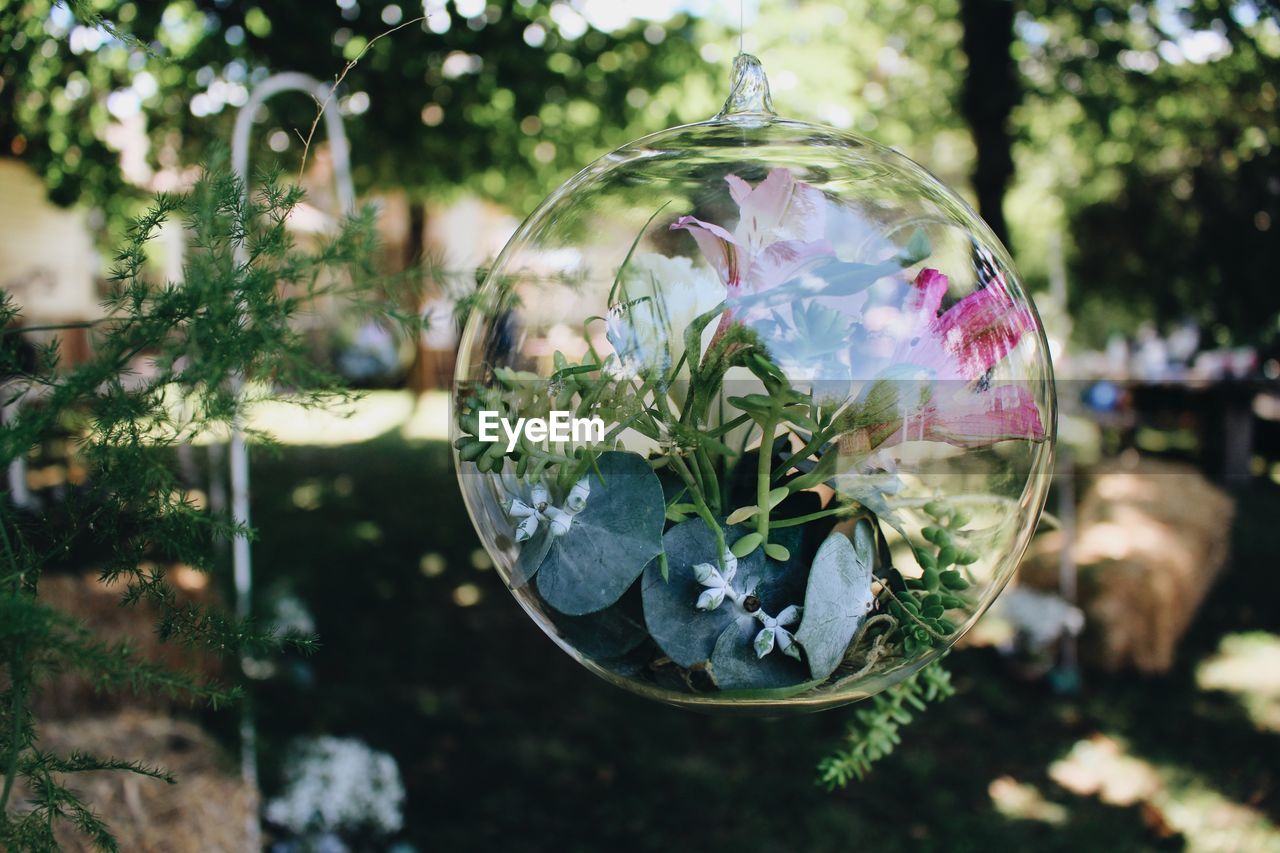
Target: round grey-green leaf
(607, 634)
(735, 665)
(689, 635)
(532, 554)
(837, 599)
(610, 541)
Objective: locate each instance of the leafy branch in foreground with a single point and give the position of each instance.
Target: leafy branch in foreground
(90, 17)
(873, 733)
(171, 362)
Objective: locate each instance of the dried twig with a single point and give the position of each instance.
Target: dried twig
(321, 106)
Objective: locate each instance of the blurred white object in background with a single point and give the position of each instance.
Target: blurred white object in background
(47, 260)
(334, 784)
(1039, 619)
(374, 353)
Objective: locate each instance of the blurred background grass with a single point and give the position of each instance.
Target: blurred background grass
(503, 740)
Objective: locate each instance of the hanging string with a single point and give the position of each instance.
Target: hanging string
(742, 18)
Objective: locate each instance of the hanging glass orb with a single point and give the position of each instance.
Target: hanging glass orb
(754, 414)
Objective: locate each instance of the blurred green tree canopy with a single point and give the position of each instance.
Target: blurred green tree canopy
(505, 101)
(1142, 135)
(1158, 121)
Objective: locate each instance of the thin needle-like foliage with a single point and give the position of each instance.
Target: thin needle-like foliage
(173, 361)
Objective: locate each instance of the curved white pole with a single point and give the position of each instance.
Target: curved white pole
(296, 81)
(242, 567)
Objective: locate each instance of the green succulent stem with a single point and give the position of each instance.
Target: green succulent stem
(709, 478)
(815, 443)
(700, 504)
(763, 481)
(913, 617)
(875, 728)
(814, 516)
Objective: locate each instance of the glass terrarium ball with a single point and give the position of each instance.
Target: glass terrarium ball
(754, 414)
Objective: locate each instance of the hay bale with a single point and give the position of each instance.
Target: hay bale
(1150, 540)
(97, 606)
(210, 808)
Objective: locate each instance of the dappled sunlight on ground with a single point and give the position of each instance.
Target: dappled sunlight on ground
(499, 736)
(372, 414)
(430, 419)
(1024, 801)
(1247, 665)
(1173, 800)
(1102, 766)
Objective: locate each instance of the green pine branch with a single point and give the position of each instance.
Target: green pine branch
(874, 731)
(172, 361)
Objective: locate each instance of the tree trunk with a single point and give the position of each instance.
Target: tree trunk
(990, 93)
(421, 376)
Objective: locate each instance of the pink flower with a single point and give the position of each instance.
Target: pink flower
(779, 231)
(957, 349)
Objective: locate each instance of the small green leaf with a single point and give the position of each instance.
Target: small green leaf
(930, 579)
(677, 513)
(746, 545)
(799, 414)
(954, 580)
(505, 376)
(777, 552)
(762, 367)
(756, 405)
(777, 496)
(937, 509)
(741, 514)
(693, 335)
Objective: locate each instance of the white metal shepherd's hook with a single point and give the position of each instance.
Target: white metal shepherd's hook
(242, 568)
